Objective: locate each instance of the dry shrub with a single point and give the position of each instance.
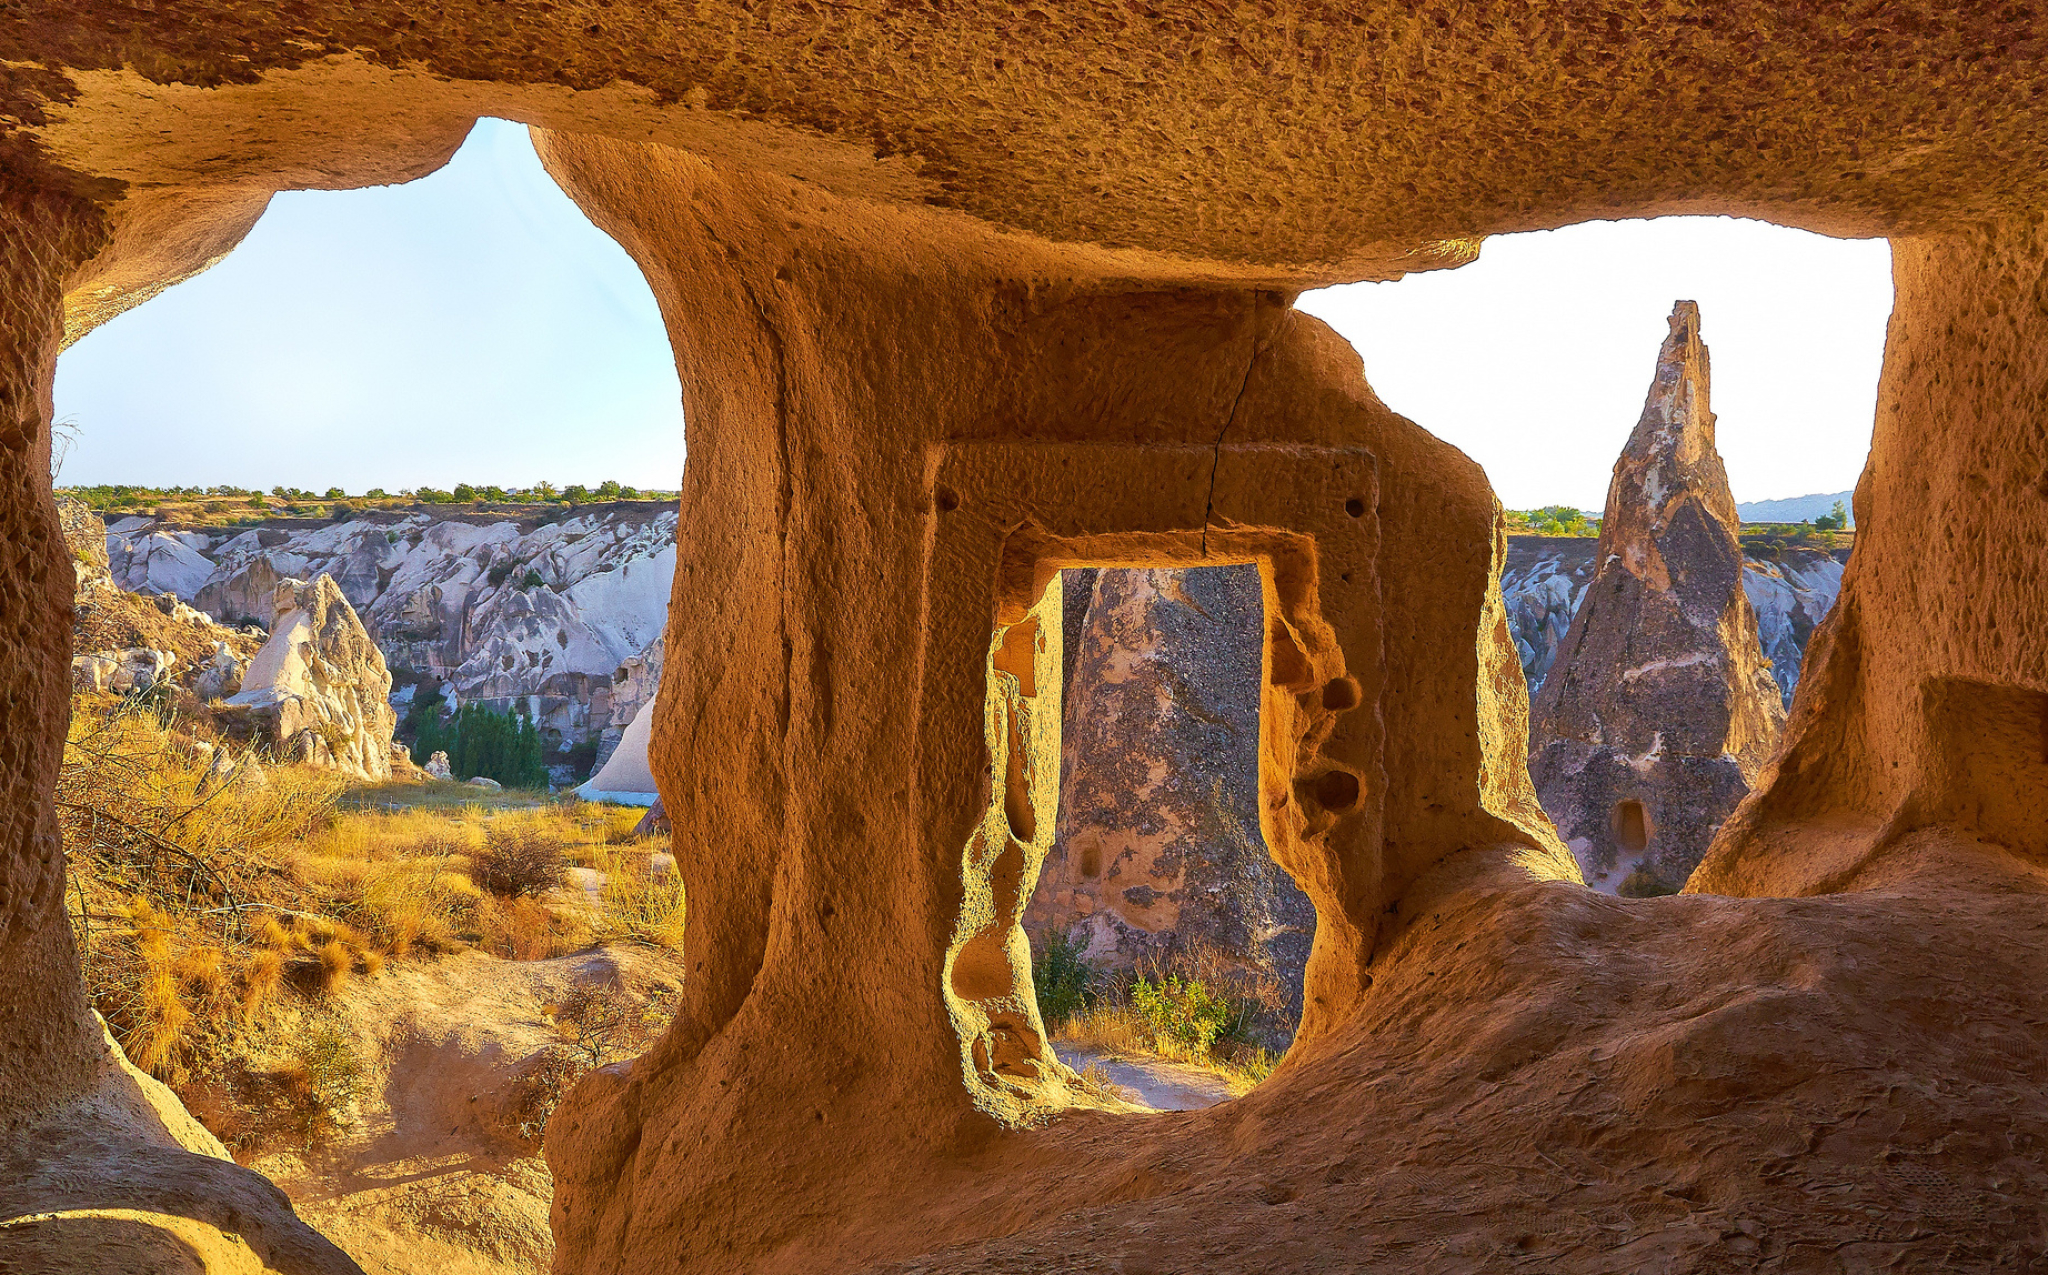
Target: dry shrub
(525, 929)
(538, 1090)
(519, 861)
(325, 1077)
(641, 903)
(605, 1021)
(416, 904)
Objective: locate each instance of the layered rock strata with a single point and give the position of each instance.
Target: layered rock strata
(318, 691)
(1158, 848)
(560, 613)
(1660, 709)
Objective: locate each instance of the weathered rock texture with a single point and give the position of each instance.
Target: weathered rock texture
(1791, 589)
(318, 691)
(1157, 845)
(1660, 708)
(962, 294)
(561, 614)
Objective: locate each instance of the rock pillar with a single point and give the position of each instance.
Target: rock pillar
(1918, 738)
(1660, 708)
(899, 423)
(49, 1047)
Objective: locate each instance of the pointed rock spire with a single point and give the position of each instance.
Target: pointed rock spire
(1660, 707)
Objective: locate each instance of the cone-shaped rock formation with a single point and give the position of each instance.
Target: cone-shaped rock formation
(1660, 708)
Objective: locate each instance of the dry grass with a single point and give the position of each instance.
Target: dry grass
(641, 903)
(215, 926)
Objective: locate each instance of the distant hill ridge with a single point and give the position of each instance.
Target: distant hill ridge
(1796, 508)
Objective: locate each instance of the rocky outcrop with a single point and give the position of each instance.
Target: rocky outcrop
(559, 611)
(122, 1178)
(1158, 845)
(1544, 579)
(318, 691)
(1660, 709)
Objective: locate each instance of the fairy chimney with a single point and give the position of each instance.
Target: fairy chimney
(1660, 708)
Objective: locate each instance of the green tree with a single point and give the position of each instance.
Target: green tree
(608, 490)
(1834, 520)
(575, 492)
(334, 493)
(463, 493)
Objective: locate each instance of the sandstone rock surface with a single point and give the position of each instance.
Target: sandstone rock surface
(1660, 709)
(318, 691)
(936, 277)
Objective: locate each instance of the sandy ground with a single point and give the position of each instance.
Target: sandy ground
(431, 1177)
(1153, 1082)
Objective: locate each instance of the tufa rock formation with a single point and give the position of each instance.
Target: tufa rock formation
(561, 612)
(1660, 708)
(1158, 843)
(1791, 589)
(962, 299)
(318, 691)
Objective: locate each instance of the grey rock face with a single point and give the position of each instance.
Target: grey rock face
(539, 611)
(1660, 707)
(1545, 577)
(1158, 845)
(318, 691)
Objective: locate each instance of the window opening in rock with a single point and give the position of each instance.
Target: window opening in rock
(1631, 826)
(1169, 945)
(1704, 585)
(364, 479)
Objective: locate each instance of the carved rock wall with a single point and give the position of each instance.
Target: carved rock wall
(796, 771)
(1891, 741)
(911, 234)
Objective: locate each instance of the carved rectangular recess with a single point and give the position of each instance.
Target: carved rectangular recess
(1003, 519)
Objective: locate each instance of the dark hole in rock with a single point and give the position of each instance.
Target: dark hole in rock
(1631, 826)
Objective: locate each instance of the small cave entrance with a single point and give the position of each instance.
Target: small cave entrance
(1630, 824)
(1168, 945)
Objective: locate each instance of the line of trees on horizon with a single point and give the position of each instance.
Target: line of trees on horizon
(126, 495)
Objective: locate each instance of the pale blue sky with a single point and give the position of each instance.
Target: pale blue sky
(472, 326)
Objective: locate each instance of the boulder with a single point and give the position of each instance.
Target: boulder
(220, 676)
(318, 690)
(85, 539)
(485, 782)
(121, 672)
(1660, 709)
(437, 766)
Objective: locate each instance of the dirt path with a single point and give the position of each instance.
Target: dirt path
(1154, 1082)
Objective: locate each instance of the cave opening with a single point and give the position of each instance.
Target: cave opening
(390, 485)
(1169, 945)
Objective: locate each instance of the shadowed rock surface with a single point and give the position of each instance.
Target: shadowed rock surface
(1791, 589)
(1158, 845)
(1660, 708)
